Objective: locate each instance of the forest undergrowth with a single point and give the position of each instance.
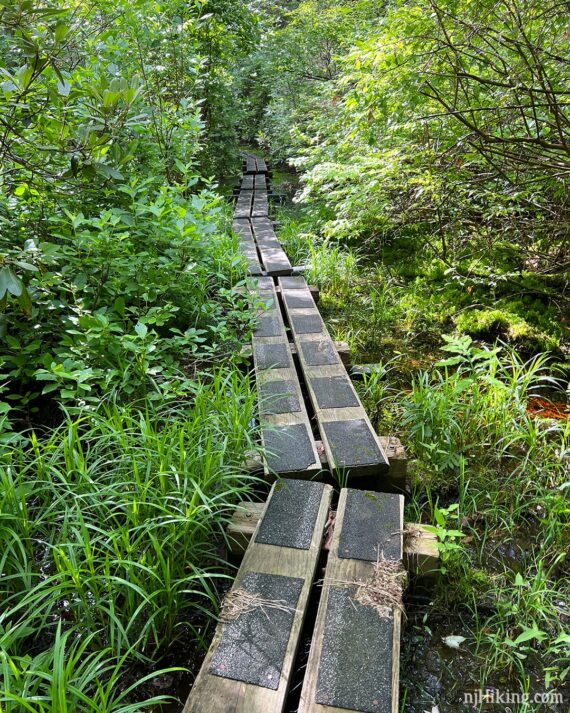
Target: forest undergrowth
(425, 154)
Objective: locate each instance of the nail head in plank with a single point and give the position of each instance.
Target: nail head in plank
(278, 396)
(291, 514)
(355, 668)
(252, 647)
(334, 392)
(289, 448)
(371, 527)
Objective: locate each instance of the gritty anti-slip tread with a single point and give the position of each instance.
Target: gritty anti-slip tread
(253, 645)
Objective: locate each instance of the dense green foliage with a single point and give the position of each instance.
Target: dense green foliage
(431, 138)
(432, 144)
(108, 558)
(488, 475)
(434, 135)
(110, 116)
(123, 440)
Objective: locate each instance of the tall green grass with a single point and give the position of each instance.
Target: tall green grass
(474, 405)
(475, 443)
(331, 266)
(109, 545)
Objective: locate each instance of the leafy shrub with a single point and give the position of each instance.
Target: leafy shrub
(127, 297)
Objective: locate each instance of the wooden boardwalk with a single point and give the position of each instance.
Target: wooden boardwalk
(249, 664)
(313, 428)
(258, 242)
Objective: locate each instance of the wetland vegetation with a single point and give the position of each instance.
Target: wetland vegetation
(422, 154)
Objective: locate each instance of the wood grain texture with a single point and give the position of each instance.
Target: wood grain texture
(213, 694)
(421, 551)
(342, 572)
(242, 525)
(396, 453)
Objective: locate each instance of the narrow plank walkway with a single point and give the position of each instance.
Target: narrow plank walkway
(306, 401)
(351, 444)
(249, 663)
(248, 248)
(285, 426)
(421, 553)
(354, 661)
(263, 252)
(273, 257)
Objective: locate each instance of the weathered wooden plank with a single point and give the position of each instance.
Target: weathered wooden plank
(242, 228)
(261, 182)
(244, 204)
(398, 459)
(248, 183)
(263, 229)
(242, 525)
(260, 646)
(275, 261)
(250, 164)
(354, 657)
(421, 553)
(285, 427)
(351, 444)
(247, 246)
(260, 206)
(274, 258)
(253, 645)
(261, 165)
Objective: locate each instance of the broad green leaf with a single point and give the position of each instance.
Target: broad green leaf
(141, 329)
(528, 635)
(9, 282)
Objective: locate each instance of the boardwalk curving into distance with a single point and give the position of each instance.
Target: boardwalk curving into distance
(313, 427)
